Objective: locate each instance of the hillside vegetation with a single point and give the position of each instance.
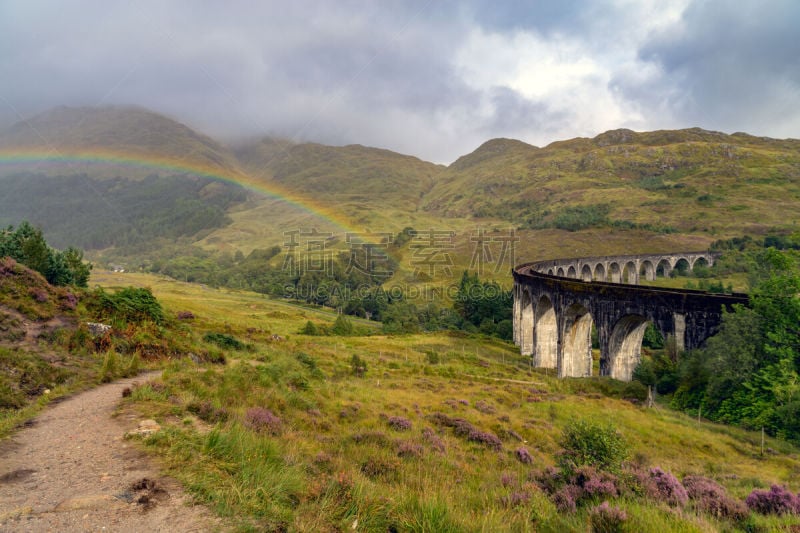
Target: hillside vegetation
(620, 192)
(687, 181)
(433, 432)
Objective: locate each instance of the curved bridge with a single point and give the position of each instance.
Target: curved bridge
(557, 302)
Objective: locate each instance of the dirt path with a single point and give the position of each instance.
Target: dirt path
(72, 470)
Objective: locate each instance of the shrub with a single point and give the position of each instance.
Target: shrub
(378, 438)
(515, 499)
(607, 519)
(432, 357)
(592, 444)
(523, 455)
(38, 294)
(663, 486)
(130, 304)
(595, 484)
(487, 438)
(408, 448)
(380, 467)
(206, 411)
(777, 500)
(434, 440)
(69, 301)
(484, 407)
(262, 420)
(224, 341)
(565, 498)
(711, 498)
(310, 329)
(358, 366)
(399, 423)
(342, 326)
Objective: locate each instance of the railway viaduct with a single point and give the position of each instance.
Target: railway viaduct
(557, 302)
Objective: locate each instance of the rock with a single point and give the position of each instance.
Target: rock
(146, 427)
(97, 329)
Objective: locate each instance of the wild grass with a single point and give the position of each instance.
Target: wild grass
(369, 451)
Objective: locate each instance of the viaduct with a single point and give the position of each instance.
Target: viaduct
(557, 302)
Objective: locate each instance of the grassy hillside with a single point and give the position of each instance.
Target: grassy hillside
(329, 433)
(620, 192)
(369, 177)
(80, 195)
(687, 181)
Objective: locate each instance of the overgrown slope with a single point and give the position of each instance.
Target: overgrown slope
(435, 432)
(689, 181)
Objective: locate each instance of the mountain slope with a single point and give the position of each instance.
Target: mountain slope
(124, 130)
(113, 176)
(352, 173)
(689, 180)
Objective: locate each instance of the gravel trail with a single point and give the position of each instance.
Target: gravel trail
(72, 470)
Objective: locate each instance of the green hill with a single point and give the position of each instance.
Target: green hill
(620, 192)
(353, 173)
(113, 177)
(687, 181)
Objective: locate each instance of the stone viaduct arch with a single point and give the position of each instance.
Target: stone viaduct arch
(554, 314)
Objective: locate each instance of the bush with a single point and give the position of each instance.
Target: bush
(262, 420)
(358, 366)
(343, 326)
(408, 448)
(224, 341)
(711, 498)
(777, 500)
(592, 444)
(399, 423)
(206, 411)
(130, 304)
(310, 329)
(487, 438)
(565, 498)
(607, 519)
(664, 487)
(523, 455)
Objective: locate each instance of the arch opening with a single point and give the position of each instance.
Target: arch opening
(550, 272)
(614, 273)
(700, 267)
(681, 268)
(663, 269)
(629, 273)
(576, 344)
(599, 272)
(586, 273)
(560, 272)
(625, 346)
(647, 270)
(546, 335)
(572, 273)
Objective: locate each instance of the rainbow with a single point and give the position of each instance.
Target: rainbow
(36, 156)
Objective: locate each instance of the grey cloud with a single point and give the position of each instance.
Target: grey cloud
(382, 73)
(730, 68)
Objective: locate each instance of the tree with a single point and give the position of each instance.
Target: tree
(749, 373)
(27, 245)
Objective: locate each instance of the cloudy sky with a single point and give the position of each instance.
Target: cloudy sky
(432, 78)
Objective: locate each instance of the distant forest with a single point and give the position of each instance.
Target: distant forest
(79, 210)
